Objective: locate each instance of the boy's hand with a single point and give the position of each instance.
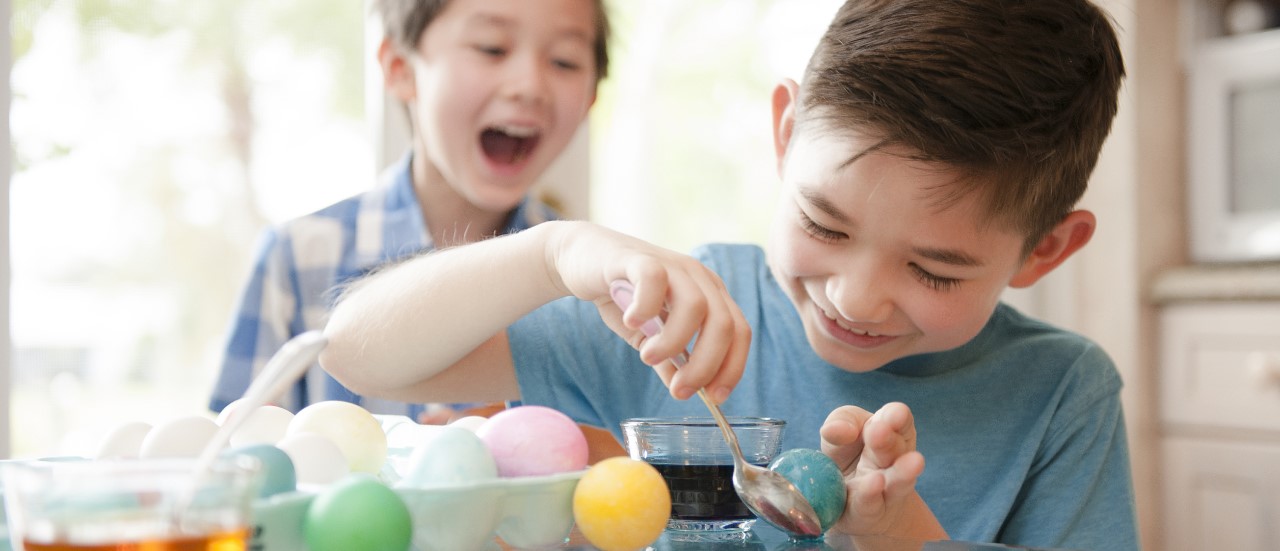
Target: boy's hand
(877, 454)
(689, 297)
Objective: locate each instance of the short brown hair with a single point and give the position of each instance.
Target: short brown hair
(404, 21)
(1018, 94)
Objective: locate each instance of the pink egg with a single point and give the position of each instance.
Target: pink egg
(534, 440)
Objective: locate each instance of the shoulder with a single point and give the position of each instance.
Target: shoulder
(528, 213)
(1075, 361)
(732, 260)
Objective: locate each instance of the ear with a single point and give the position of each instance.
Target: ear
(397, 71)
(785, 95)
(1064, 240)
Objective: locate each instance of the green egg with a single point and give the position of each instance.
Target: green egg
(357, 512)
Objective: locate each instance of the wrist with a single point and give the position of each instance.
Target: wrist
(549, 241)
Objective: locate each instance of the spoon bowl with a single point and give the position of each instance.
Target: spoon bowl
(767, 493)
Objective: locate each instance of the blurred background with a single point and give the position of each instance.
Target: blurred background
(152, 140)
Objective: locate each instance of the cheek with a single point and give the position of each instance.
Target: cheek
(948, 321)
(573, 95)
(792, 252)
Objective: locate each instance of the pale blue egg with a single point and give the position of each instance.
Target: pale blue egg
(453, 456)
(278, 473)
(818, 478)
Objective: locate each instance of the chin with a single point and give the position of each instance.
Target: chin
(845, 357)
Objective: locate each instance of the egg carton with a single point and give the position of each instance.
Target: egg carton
(533, 512)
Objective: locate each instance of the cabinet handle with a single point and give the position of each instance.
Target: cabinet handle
(1264, 367)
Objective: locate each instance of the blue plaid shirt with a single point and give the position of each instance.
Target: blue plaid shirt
(297, 268)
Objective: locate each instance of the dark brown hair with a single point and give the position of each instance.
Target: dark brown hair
(1017, 94)
(404, 21)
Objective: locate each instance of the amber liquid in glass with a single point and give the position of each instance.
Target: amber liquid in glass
(222, 541)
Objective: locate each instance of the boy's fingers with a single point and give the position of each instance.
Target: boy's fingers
(889, 434)
(900, 479)
(842, 438)
(723, 340)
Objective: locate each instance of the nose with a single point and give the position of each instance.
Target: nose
(526, 78)
(861, 294)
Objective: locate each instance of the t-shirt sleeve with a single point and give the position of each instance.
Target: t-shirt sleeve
(1079, 493)
(566, 358)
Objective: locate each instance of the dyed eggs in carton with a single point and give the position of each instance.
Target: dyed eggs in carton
(512, 476)
(451, 481)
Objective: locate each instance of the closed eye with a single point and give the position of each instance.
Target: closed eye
(937, 283)
(819, 232)
(567, 64)
(492, 51)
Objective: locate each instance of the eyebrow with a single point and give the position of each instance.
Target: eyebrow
(491, 19)
(825, 205)
(947, 256)
(503, 21)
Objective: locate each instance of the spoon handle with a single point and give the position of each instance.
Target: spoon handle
(281, 370)
(622, 292)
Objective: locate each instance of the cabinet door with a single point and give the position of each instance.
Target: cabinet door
(1221, 495)
(1220, 367)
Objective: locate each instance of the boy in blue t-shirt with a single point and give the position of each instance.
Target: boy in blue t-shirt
(931, 158)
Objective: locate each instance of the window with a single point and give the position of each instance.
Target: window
(682, 147)
(153, 139)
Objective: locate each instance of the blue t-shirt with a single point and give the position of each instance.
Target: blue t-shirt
(1021, 428)
(299, 264)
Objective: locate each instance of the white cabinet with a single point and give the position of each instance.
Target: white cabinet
(1220, 420)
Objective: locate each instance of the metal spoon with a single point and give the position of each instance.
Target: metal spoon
(768, 494)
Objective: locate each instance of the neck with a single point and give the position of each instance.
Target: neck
(451, 219)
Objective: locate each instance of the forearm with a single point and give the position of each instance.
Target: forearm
(409, 322)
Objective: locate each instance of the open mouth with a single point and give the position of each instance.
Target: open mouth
(508, 145)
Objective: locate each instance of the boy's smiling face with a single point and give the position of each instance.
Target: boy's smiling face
(498, 89)
(876, 268)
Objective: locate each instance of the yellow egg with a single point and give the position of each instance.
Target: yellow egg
(356, 432)
(621, 504)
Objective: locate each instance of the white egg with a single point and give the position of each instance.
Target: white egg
(123, 442)
(453, 456)
(227, 411)
(356, 432)
(316, 459)
(266, 425)
(470, 422)
(181, 437)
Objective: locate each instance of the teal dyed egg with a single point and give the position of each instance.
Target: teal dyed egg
(818, 478)
(278, 474)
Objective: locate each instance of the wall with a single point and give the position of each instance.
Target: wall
(5, 170)
(1137, 193)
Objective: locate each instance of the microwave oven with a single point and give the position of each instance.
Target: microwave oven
(1233, 146)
